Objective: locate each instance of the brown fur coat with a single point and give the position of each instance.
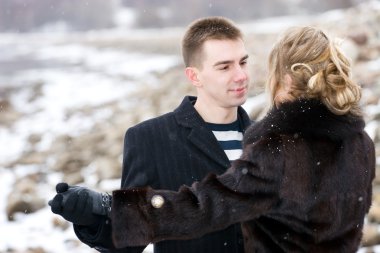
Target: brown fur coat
(303, 184)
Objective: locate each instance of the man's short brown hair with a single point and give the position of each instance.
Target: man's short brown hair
(201, 30)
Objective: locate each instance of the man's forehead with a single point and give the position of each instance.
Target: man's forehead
(224, 50)
(210, 43)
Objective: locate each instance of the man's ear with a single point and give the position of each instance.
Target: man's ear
(192, 75)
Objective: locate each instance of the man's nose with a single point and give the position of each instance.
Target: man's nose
(241, 74)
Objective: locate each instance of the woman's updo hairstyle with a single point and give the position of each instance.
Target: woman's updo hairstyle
(317, 67)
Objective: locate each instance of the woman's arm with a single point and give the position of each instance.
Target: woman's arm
(247, 190)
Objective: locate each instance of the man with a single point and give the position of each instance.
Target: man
(201, 136)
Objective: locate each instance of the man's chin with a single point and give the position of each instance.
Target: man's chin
(241, 101)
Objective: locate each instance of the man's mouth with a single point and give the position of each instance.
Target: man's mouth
(239, 90)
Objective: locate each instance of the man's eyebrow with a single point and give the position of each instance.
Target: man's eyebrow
(229, 61)
(222, 62)
(244, 57)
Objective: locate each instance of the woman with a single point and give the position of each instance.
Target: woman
(303, 183)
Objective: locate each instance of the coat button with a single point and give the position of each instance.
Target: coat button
(157, 201)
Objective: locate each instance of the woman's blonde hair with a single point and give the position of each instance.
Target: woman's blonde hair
(318, 69)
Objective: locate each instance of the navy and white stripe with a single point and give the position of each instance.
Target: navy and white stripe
(230, 138)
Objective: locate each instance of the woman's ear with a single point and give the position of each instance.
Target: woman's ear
(192, 75)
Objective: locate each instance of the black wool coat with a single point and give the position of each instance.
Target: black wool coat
(303, 184)
(166, 152)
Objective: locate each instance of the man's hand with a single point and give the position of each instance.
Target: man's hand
(79, 205)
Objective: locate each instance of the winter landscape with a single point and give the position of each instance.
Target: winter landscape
(66, 99)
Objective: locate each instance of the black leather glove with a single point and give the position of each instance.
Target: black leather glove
(80, 205)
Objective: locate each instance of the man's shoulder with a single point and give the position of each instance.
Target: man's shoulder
(156, 122)
(167, 119)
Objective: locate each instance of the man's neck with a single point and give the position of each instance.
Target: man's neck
(215, 114)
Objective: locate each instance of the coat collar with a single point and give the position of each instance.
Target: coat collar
(200, 135)
(305, 117)
(187, 116)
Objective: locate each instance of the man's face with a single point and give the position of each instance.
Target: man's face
(223, 75)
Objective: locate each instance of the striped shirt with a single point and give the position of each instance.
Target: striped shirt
(230, 138)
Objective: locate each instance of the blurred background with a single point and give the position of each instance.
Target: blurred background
(75, 74)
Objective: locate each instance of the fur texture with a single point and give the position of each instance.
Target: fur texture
(303, 184)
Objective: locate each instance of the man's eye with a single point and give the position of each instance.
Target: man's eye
(243, 63)
(224, 67)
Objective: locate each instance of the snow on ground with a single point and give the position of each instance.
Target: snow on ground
(73, 76)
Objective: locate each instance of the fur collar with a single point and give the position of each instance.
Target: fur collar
(305, 117)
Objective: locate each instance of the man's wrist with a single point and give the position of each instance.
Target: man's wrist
(107, 203)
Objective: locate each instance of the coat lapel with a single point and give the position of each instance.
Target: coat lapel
(200, 135)
(204, 140)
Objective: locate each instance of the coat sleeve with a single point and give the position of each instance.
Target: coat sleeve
(247, 190)
(135, 173)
